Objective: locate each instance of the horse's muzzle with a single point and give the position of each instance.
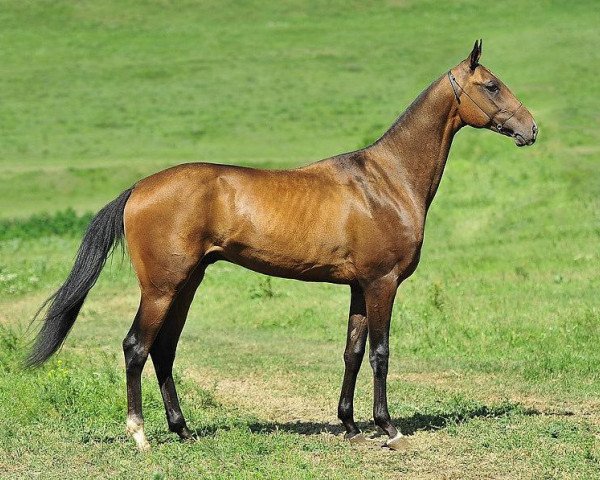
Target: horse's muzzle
(522, 140)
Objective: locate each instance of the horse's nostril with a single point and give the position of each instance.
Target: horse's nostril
(534, 129)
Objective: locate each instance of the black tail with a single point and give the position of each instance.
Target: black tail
(103, 233)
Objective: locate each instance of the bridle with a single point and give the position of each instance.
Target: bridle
(498, 125)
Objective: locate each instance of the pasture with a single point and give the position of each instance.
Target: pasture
(494, 368)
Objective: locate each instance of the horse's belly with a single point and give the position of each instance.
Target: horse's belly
(299, 259)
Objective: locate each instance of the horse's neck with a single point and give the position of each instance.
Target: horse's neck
(415, 149)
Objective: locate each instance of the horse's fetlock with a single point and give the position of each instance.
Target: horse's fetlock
(353, 356)
(382, 419)
(345, 410)
(176, 422)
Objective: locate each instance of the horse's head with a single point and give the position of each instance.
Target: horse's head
(484, 101)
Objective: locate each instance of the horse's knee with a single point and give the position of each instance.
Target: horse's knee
(378, 359)
(353, 356)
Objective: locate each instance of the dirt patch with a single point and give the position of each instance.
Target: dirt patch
(273, 400)
(268, 400)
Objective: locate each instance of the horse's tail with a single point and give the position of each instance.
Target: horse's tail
(104, 232)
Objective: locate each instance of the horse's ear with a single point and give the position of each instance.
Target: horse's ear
(475, 54)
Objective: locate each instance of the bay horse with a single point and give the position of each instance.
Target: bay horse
(355, 219)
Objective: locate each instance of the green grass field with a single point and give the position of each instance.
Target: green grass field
(495, 339)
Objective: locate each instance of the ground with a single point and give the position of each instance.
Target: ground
(494, 343)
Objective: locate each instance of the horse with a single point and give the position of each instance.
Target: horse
(355, 219)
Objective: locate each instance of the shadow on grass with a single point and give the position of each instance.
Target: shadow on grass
(407, 425)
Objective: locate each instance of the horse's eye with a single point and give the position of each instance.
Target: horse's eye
(492, 87)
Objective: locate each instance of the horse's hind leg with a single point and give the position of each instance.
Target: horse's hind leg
(164, 239)
(136, 347)
(163, 353)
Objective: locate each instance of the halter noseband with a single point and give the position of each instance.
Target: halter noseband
(499, 126)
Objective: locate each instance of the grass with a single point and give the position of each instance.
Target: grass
(494, 368)
(65, 223)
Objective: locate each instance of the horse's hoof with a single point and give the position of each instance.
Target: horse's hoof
(143, 446)
(135, 429)
(186, 435)
(356, 439)
(399, 442)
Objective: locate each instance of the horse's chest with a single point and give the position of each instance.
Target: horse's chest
(391, 244)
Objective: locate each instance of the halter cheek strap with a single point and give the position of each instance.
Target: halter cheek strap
(455, 85)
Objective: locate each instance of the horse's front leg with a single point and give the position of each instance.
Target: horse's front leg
(353, 356)
(379, 299)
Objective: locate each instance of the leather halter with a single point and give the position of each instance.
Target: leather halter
(498, 125)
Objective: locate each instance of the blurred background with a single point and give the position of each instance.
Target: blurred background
(495, 338)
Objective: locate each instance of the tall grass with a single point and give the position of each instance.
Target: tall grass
(63, 222)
